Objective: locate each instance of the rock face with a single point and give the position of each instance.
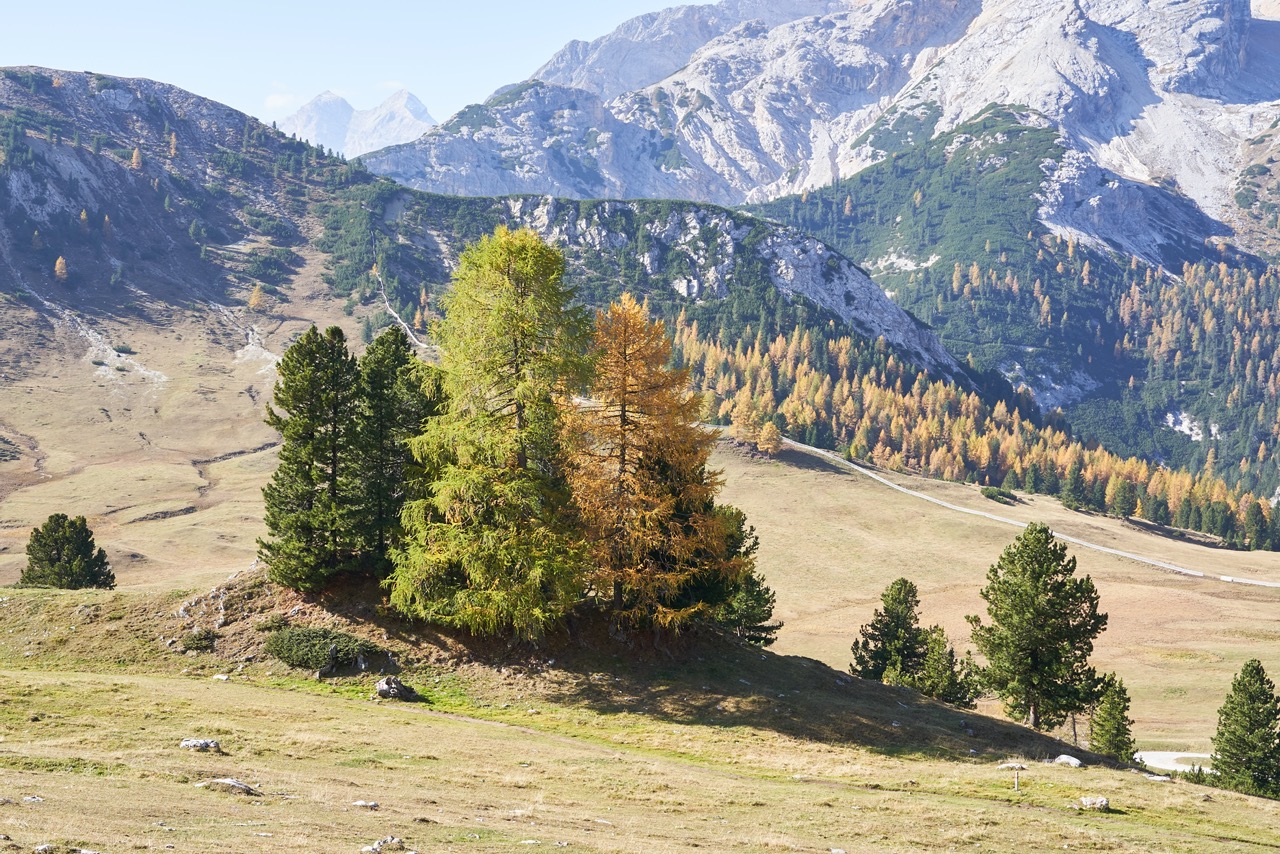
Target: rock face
(330, 121)
(745, 101)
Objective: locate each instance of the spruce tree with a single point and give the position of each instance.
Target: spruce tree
(893, 642)
(398, 394)
(62, 553)
(941, 674)
(1109, 726)
(492, 546)
(313, 497)
(1043, 624)
(1246, 747)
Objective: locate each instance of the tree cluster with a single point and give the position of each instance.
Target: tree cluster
(333, 503)
(557, 465)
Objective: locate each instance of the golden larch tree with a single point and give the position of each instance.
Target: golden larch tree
(640, 476)
(60, 269)
(257, 299)
(136, 163)
(770, 441)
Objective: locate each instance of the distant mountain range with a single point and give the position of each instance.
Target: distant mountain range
(328, 120)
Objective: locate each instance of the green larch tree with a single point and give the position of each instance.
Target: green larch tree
(492, 546)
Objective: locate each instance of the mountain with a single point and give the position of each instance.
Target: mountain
(1042, 182)
(159, 251)
(329, 121)
(1155, 102)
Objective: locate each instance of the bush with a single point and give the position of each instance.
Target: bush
(272, 623)
(996, 493)
(201, 640)
(308, 649)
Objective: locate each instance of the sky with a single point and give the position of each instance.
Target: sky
(268, 57)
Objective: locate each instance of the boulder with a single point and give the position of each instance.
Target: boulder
(391, 688)
(367, 805)
(1011, 766)
(1069, 761)
(230, 786)
(1101, 804)
(204, 745)
(389, 843)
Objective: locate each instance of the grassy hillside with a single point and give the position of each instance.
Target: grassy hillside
(832, 540)
(706, 744)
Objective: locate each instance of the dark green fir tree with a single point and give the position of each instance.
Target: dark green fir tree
(313, 498)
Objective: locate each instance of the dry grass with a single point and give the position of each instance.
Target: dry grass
(831, 541)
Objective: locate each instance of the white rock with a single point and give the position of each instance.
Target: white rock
(369, 805)
(201, 744)
(1101, 804)
(1069, 761)
(1011, 766)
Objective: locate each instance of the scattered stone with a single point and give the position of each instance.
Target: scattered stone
(391, 688)
(230, 786)
(222, 677)
(368, 805)
(201, 744)
(1206, 797)
(33, 799)
(1069, 761)
(4, 802)
(390, 843)
(43, 849)
(1011, 766)
(1158, 778)
(1100, 804)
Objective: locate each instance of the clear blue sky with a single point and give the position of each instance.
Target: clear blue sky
(268, 57)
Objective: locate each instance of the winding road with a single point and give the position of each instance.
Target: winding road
(1159, 564)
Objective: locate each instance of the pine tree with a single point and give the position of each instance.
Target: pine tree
(633, 446)
(1043, 624)
(893, 642)
(1109, 726)
(399, 393)
(1246, 747)
(312, 497)
(941, 674)
(491, 547)
(60, 271)
(62, 553)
